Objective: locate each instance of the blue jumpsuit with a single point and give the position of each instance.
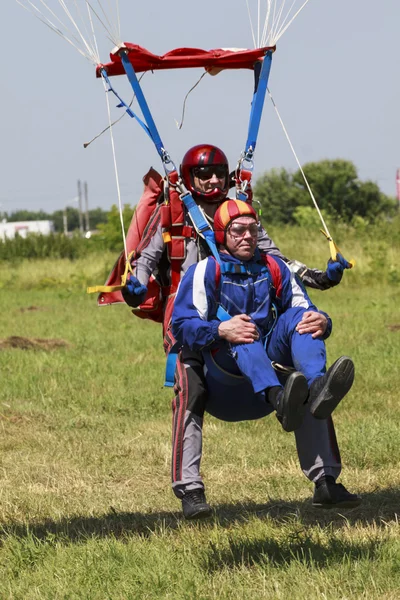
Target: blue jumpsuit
(251, 288)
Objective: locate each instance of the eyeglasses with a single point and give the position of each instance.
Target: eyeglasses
(207, 172)
(238, 231)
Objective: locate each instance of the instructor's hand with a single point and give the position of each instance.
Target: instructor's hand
(336, 267)
(238, 330)
(134, 287)
(314, 323)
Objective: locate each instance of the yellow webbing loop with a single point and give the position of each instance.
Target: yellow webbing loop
(98, 289)
(334, 250)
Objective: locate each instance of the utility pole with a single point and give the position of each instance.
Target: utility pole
(80, 207)
(65, 222)
(398, 188)
(85, 187)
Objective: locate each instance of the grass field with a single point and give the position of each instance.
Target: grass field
(86, 509)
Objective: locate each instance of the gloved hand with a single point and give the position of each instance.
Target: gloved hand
(336, 267)
(134, 287)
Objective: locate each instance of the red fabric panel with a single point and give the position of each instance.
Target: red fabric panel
(183, 58)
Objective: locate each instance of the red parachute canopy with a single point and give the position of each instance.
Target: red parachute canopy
(182, 58)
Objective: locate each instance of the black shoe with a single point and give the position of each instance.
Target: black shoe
(329, 494)
(194, 505)
(327, 391)
(289, 403)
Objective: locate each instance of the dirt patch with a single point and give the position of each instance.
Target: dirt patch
(30, 309)
(23, 343)
(395, 327)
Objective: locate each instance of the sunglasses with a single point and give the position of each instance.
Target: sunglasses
(238, 231)
(205, 173)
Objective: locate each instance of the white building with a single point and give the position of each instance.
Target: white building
(22, 228)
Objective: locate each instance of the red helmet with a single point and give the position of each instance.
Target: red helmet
(226, 213)
(197, 162)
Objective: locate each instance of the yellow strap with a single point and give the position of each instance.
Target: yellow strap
(99, 289)
(334, 250)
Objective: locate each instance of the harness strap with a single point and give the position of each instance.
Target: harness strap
(236, 269)
(200, 223)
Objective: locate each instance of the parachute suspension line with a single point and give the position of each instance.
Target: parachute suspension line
(179, 125)
(71, 38)
(267, 19)
(115, 169)
(116, 28)
(277, 18)
(251, 24)
(113, 34)
(273, 18)
(284, 27)
(96, 54)
(91, 51)
(92, 29)
(46, 21)
(328, 235)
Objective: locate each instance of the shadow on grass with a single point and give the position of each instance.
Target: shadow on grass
(378, 508)
(277, 553)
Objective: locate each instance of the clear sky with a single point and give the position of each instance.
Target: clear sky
(335, 79)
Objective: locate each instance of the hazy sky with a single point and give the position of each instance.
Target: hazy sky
(335, 79)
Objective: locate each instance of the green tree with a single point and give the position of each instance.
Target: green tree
(110, 232)
(335, 185)
(97, 216)
(72, 219)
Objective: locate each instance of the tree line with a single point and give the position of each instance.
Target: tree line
(282, 194)
(339, 193)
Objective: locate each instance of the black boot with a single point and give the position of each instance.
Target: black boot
(289, 402)
(194, 505)
(327, 391)
(329, 494)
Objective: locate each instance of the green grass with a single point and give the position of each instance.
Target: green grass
(86, 509)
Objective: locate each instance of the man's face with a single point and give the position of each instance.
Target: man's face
(206, 179)
(241, 237)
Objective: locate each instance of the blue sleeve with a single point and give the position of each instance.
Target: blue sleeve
(193, 318)
(293, 294)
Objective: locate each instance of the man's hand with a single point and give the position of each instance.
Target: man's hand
(238, 330)
(314, 323)
(134, 287)
(336, 267)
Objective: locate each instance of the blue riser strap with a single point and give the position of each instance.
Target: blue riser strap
(133, 80)
(258, 102)
(123, 104)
